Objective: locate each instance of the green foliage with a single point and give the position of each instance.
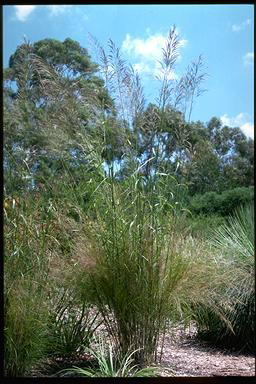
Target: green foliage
(46, 123)
(235, 326)
(25, 286)
(39, 320)
(198, 226)
(223, 203)
(68, 58)
(145, 272)
(71, 326)
(25, 327)
(203, 170)
(112, 365)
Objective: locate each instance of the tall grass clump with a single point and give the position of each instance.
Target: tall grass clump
(146, 275)
(129, 235)
(25, 286)
(234, 244)
(25, 328)
(44, 250)
(72, 319)
(140, 276)
(131, 273)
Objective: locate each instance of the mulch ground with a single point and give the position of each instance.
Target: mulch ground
(183, 355)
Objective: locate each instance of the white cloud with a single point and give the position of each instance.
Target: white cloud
(248, 129)
(232, 121)
(149, 48)
(248, 58)
(156, 70)
(56, 10)
(23, 11)
(242, 120)
(239, 27)
(148, 52)
(142, 67)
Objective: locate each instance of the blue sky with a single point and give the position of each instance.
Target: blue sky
(223, 34)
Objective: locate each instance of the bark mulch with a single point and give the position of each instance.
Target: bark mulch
(185, 355)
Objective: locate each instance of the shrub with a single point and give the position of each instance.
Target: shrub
(224, 203)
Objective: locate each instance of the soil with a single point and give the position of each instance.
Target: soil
(182, 355)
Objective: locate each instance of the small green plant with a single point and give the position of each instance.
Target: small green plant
(111, 365)
(71, 326)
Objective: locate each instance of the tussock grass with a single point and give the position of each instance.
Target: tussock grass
(25, 285)
(234, 248)
(41, 307)
(145, 273)
(25, 315)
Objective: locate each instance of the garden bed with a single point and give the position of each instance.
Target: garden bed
(183, 355)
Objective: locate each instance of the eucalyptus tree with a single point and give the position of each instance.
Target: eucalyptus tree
(236, 154)
(51, 96)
